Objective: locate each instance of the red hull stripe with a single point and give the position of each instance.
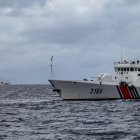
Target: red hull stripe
(125, 92)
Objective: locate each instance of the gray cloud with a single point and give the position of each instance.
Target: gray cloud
(20, 3)
(84, 36)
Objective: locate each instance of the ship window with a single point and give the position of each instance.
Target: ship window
(127, 69)
(135, 69)
(121, 69)
(124, 69)
(138, 74)
(118, 69)
(131, 69)
(138, 69)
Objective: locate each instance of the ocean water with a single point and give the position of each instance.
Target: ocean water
(34, 112)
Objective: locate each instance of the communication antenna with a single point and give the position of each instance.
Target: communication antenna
(132, 54)
(121, 54)
(51, 68)
(129, 59)
(137, 56)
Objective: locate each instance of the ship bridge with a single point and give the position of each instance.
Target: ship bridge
(126, 67)
(128, 71)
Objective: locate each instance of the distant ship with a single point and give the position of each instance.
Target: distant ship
(124, 84)
(4, 83)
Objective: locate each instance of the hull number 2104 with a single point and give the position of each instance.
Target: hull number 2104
(96, 91)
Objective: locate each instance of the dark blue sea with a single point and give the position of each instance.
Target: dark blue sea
(34, 112)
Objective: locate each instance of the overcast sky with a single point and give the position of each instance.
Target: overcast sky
(84, 36)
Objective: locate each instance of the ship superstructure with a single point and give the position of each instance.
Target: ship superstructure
(127, 71)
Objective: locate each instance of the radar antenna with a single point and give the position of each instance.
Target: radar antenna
(51, 68)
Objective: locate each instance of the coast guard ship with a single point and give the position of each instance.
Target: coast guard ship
(124, 84)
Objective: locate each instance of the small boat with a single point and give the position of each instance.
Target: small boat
(124, 84)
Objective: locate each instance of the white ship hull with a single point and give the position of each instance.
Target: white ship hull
(92, 90)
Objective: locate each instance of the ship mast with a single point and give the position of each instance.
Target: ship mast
(51, 68)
